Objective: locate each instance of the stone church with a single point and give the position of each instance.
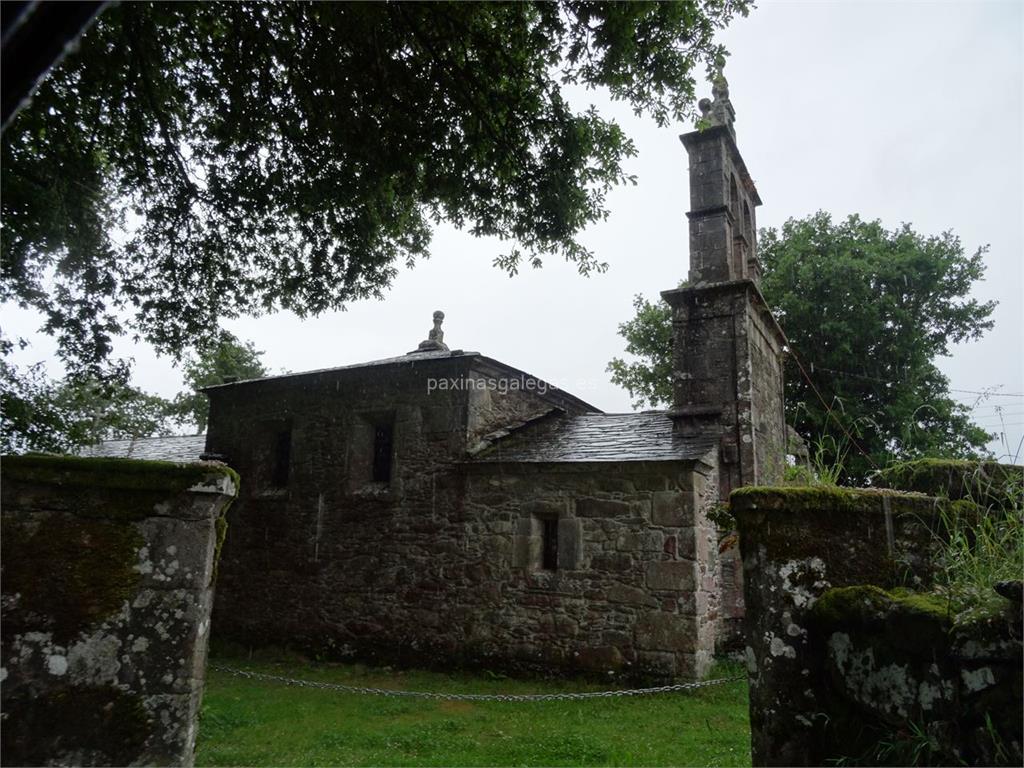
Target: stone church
(441, 506)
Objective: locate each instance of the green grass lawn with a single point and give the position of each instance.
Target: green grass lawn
(246, 722)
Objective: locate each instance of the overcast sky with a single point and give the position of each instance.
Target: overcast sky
(905, 112)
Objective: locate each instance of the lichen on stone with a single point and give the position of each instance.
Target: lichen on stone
(90, 572)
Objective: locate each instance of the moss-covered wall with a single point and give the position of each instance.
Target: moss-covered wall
(841, 642)
(107, 571)
(905, 683)
(983, 482)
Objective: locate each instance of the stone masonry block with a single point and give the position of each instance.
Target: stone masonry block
(659, 631)
(674, 575)
(673, 508)
(648, 540)
(620, 593)
(521, 551)
(544, 508)
(608, 508)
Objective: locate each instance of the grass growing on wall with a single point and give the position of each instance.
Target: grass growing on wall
(256, 723)
(981, 546)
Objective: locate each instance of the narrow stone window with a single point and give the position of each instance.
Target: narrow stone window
(383, 439)
(281, 459)
(549, 544)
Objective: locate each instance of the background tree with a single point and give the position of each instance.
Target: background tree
(195, 161)
(40, 414)
(867, 312)
(226, 358)
(648, 379)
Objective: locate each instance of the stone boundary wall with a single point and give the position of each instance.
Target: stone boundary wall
(841, 656)
(108, 568)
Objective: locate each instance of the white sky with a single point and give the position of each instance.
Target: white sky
(905, 111)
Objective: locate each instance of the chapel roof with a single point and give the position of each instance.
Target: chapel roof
(489, 364)
(169, 448)
(408, 359)
(596, 437)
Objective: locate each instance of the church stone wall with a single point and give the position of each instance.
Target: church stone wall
(439, 566)
(728, 360)
(325, 518)
(766, 389)
(108, 569)
(635, 587)
(728, 357)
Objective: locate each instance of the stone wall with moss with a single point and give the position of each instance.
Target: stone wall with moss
(107, 573)
(851, 661)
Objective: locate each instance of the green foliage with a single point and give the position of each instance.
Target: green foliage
(910, 745)
(798, 475)
(249, 722)
(40, 414)
(979, 546)
(225, 358)
(867, 311)
(649, 338)
(194, 161)
(979, 537)
(826, 465)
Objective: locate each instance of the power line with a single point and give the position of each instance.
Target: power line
(852, 375)
(989, 417)
(828, 409)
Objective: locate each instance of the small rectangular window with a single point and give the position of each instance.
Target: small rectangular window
(549, 550)
(382, 446)
(281, 459)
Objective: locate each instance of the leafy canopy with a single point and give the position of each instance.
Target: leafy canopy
(227, 358)
(40, 414)
(867, 311)
(196, 161)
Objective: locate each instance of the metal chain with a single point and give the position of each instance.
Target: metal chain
(473, 696)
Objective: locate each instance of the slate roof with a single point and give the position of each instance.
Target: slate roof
(171, 448)
(412, 357)
(553, 393)
(597, 437)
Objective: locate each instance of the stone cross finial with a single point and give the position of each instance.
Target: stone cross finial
(435, 339)
(719, 111)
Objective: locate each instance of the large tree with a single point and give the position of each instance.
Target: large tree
(38, 413)
(226, 359)
(195, 161)
(867, 312)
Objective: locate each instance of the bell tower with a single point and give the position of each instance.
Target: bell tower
(723, 197)
(727, 346)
